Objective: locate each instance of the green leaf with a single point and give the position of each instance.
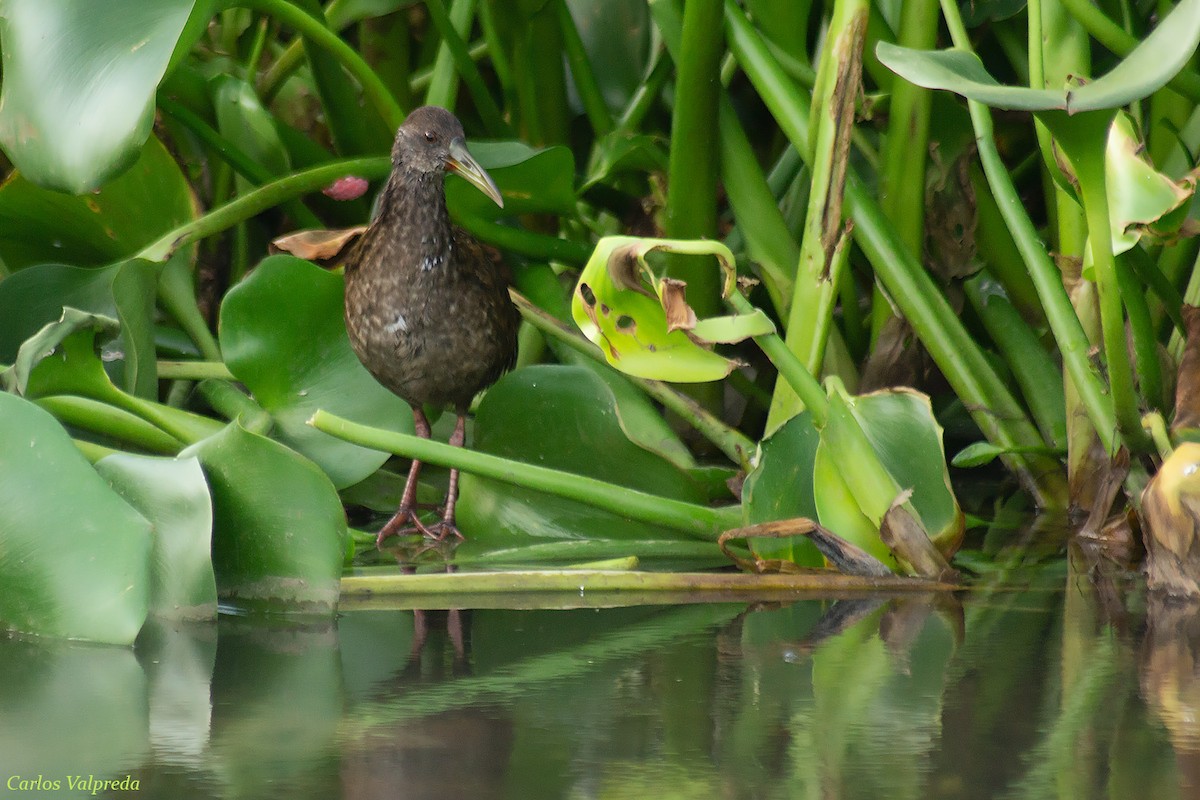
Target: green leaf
(36, 297)
(900, 425)
(781, 487)
(172, 494)
(243, 120)
(977, 454)
(532, 181)
(77, 102)
(129, 212)
(564, 418)
(616, 36)
(278, 527)
(1140, 198)
(1154, 62)
(283, 336)
(74, 557)
(643, 323)
(43, 344)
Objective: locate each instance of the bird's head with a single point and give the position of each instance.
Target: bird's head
(431, 141)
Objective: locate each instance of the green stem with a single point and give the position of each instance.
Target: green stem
(739, 448)
(701, 522)
(372, 87)
(193, 370)
(790, 367)
(264, 197)
(101, 418)
(452, 24)
(1064, 324)
(532, 245)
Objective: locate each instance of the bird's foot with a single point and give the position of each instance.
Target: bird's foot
(443, 530)
(403, 522)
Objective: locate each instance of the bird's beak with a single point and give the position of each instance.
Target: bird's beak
(464, 164)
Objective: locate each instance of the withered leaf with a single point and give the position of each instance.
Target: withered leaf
(318, 245)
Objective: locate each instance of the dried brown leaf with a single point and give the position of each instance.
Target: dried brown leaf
(318, 245)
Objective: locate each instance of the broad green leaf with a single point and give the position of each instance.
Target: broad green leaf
(781, 487)
(642, 321)
(129, 212)
(564, 418)
(839, 508)
(283, 335)
(531, 181)
(278, 526)
(242, 120)
(36, 297)
(74, 557)
(1157, 59)
(77, 102)
(43, 344)
(74, 368)
(171, 493)
(900, 425)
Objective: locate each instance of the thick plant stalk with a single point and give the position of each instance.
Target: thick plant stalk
(699, 521)
(998, 414)
(824, 248)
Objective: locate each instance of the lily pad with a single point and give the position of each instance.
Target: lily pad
(278, 527)
(283, 336)
(78, 96)
(171, 493)
(74, 557)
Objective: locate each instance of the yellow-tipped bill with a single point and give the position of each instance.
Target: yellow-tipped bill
(464, 164)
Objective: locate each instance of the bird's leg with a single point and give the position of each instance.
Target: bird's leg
(445, 527)
(405, 519)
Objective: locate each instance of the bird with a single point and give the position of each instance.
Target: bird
(427, 308)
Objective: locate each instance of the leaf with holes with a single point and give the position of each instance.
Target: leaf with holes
(642, 321)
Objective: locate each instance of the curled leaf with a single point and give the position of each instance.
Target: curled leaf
(318, 245)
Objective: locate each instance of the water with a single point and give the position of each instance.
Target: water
(1041, 686)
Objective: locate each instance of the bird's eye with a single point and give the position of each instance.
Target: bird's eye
(430, 136)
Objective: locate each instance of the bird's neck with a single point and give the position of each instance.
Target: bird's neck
(412, 210)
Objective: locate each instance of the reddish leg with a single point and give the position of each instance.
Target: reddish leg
(445, 527)
(405, 519)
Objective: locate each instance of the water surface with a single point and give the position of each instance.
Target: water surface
(1041, 686)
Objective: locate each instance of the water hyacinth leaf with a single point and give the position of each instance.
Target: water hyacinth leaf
(75, 557)
(530, 180)
(642, 321)
(278, 527)
(129, 212)
(43, 344)
(840, 510)
(243, 120)
(586, 438)
(36, 297)
(1157, 59)
(297, 358)
(78, 95)
(781, 487)
(901, 428)
(1141, 200)
(172, 495)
